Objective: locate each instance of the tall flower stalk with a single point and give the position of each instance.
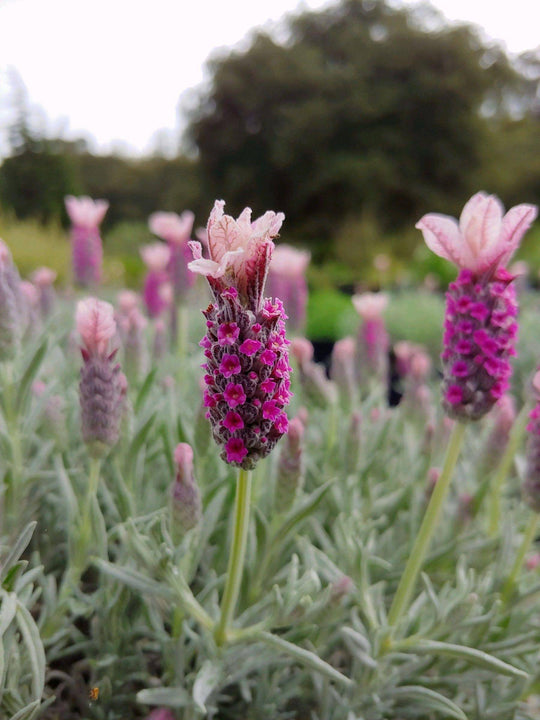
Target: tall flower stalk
(247, 368)
(479, 339)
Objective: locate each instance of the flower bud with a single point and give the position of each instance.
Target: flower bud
(290, 472)
(185, 498)
(316, 386)
(372, 341)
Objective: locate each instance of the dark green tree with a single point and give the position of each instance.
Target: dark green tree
(362, 111)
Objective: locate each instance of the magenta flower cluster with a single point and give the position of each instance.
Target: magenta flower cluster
(480, 332)
(247, 377)
(247, 360)
(481, 306)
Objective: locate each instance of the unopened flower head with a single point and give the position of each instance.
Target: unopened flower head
(156, 257)
(176, 231)
(102, 386)
(185, 496)
(481, 307)
(373, 342)
(43, 278)
(315, 385)
(343, 370)
(86, 246)
(290, 470)
(247, 365)
(287, 281)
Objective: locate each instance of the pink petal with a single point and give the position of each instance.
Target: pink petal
(471, 208)
(442, 237)
(515, 224)
(481, 230)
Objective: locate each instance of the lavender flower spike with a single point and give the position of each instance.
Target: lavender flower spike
(247, 364)
(87, 251)
(176, 230)
(372, 341)
(102, 384)
(287, 280)
(481, 308)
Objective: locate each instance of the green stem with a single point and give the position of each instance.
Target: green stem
(85, 530)
(427, 528)
(516, 435)
(237, 555)
(528, 537)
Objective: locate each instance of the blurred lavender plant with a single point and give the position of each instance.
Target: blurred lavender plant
(86, 216)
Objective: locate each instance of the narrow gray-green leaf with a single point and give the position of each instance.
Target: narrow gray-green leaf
(32, 640)
(28, 712)
(145, 389)
(306, 507)
(470, 655)
(429, 699)
(205, 683)
(30, 373)
(304, 657)
(8, 608)
(133, 579)
(18, 548)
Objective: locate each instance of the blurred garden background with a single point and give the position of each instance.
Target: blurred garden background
(354, 120)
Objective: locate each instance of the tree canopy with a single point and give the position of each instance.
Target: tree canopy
(361, 111)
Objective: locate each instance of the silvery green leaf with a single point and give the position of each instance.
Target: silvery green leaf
(305, 508)
(207, 680)
(133, 579)
(18, 548)
(304, 657)
(168, 697)
(29, 712)
(428, 699)
(30, 374)
(145, 389)
(470, 655)
(34, 646)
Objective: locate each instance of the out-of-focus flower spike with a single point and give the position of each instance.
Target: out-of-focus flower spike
(316, 386)
(343, 370)
(290, 471)
(102, 386)
(287, 281)
(372, 341)
(176, 231)
(186, 511)
(87, 251)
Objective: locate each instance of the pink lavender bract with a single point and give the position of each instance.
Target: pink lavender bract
(247, 365)
(481, 307)
(87, 251)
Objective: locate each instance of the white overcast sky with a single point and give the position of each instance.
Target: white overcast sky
(114, 70)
